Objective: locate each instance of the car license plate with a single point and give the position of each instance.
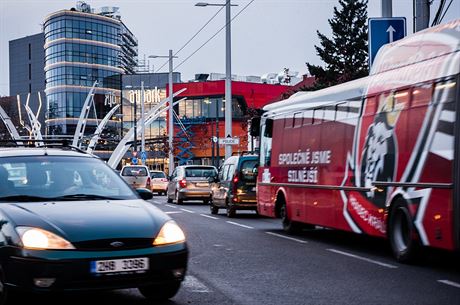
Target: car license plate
(120, 265)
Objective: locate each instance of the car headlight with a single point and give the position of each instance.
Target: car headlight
(170, 233)
(39, 239)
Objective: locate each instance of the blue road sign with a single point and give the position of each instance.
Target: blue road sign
(134, 160)
(143, 155)
(383, 31)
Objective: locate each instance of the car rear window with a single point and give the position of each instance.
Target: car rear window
(200, 172)
(247, 170)
(134, 171)
(157, 175)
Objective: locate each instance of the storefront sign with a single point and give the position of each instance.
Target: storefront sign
(151, 96)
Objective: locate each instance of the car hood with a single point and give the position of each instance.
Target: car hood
(90, 220)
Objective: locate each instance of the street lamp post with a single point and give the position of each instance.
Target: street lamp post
(142, 119)
(228, 71)
(170, 108)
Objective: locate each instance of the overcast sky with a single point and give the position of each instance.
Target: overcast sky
(266, 37)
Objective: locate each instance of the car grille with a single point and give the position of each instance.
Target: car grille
(114, 244)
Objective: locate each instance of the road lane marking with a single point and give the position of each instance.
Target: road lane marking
(287, 237)
(192, 284)
(188, 211)
(207, 216)
(450, 283)
(363, 258)
(239, 224)
(171, 206)
(173, 212)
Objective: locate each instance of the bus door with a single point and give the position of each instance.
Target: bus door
(265, 192)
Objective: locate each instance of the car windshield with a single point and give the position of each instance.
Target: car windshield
(35, 178)
(134, 171)
(154, 175)
(200, 172)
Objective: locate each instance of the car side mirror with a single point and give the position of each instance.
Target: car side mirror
(255, 170)
(144, 193)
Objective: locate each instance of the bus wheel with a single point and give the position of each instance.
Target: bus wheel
(289, 226)
(402, 233)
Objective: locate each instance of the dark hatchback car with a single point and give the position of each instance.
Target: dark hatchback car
(69, 222)
(235, 187)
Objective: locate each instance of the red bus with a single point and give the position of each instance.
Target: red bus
(376, 156)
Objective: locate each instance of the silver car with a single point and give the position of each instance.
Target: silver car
(136, 176)
(191, 182)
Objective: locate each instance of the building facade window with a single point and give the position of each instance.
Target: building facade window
(208, 108)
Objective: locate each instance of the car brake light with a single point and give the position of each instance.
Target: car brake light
(183, 183)
(235, 181)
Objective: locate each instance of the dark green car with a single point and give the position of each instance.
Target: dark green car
(69, 222)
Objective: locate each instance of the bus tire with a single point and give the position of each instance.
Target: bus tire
(402, 233)
(289, 226)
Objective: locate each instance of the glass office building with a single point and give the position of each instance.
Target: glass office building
(82, 47)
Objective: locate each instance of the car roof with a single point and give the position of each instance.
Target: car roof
(134, 165)
(40, 151)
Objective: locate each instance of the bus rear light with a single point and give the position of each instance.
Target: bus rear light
(183, 183)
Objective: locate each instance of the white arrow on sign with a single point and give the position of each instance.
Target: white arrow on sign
(391, 30)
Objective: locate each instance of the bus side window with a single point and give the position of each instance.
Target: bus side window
(308, 117)
(401, 100)
(421, 94)
(318, 115)
(298, 119)
(341, 111)
(385, 102)
(444, 91)
(354, 108)
(370, 106)
(329, 113)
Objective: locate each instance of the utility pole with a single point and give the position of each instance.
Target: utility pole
(171, 115)
(387, 8)
(421, 14)
(135, 122)
(228, 79)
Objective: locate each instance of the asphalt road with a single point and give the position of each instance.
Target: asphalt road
(249, 260)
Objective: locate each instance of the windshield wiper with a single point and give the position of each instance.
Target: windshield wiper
(82, 196)
(24, 198)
